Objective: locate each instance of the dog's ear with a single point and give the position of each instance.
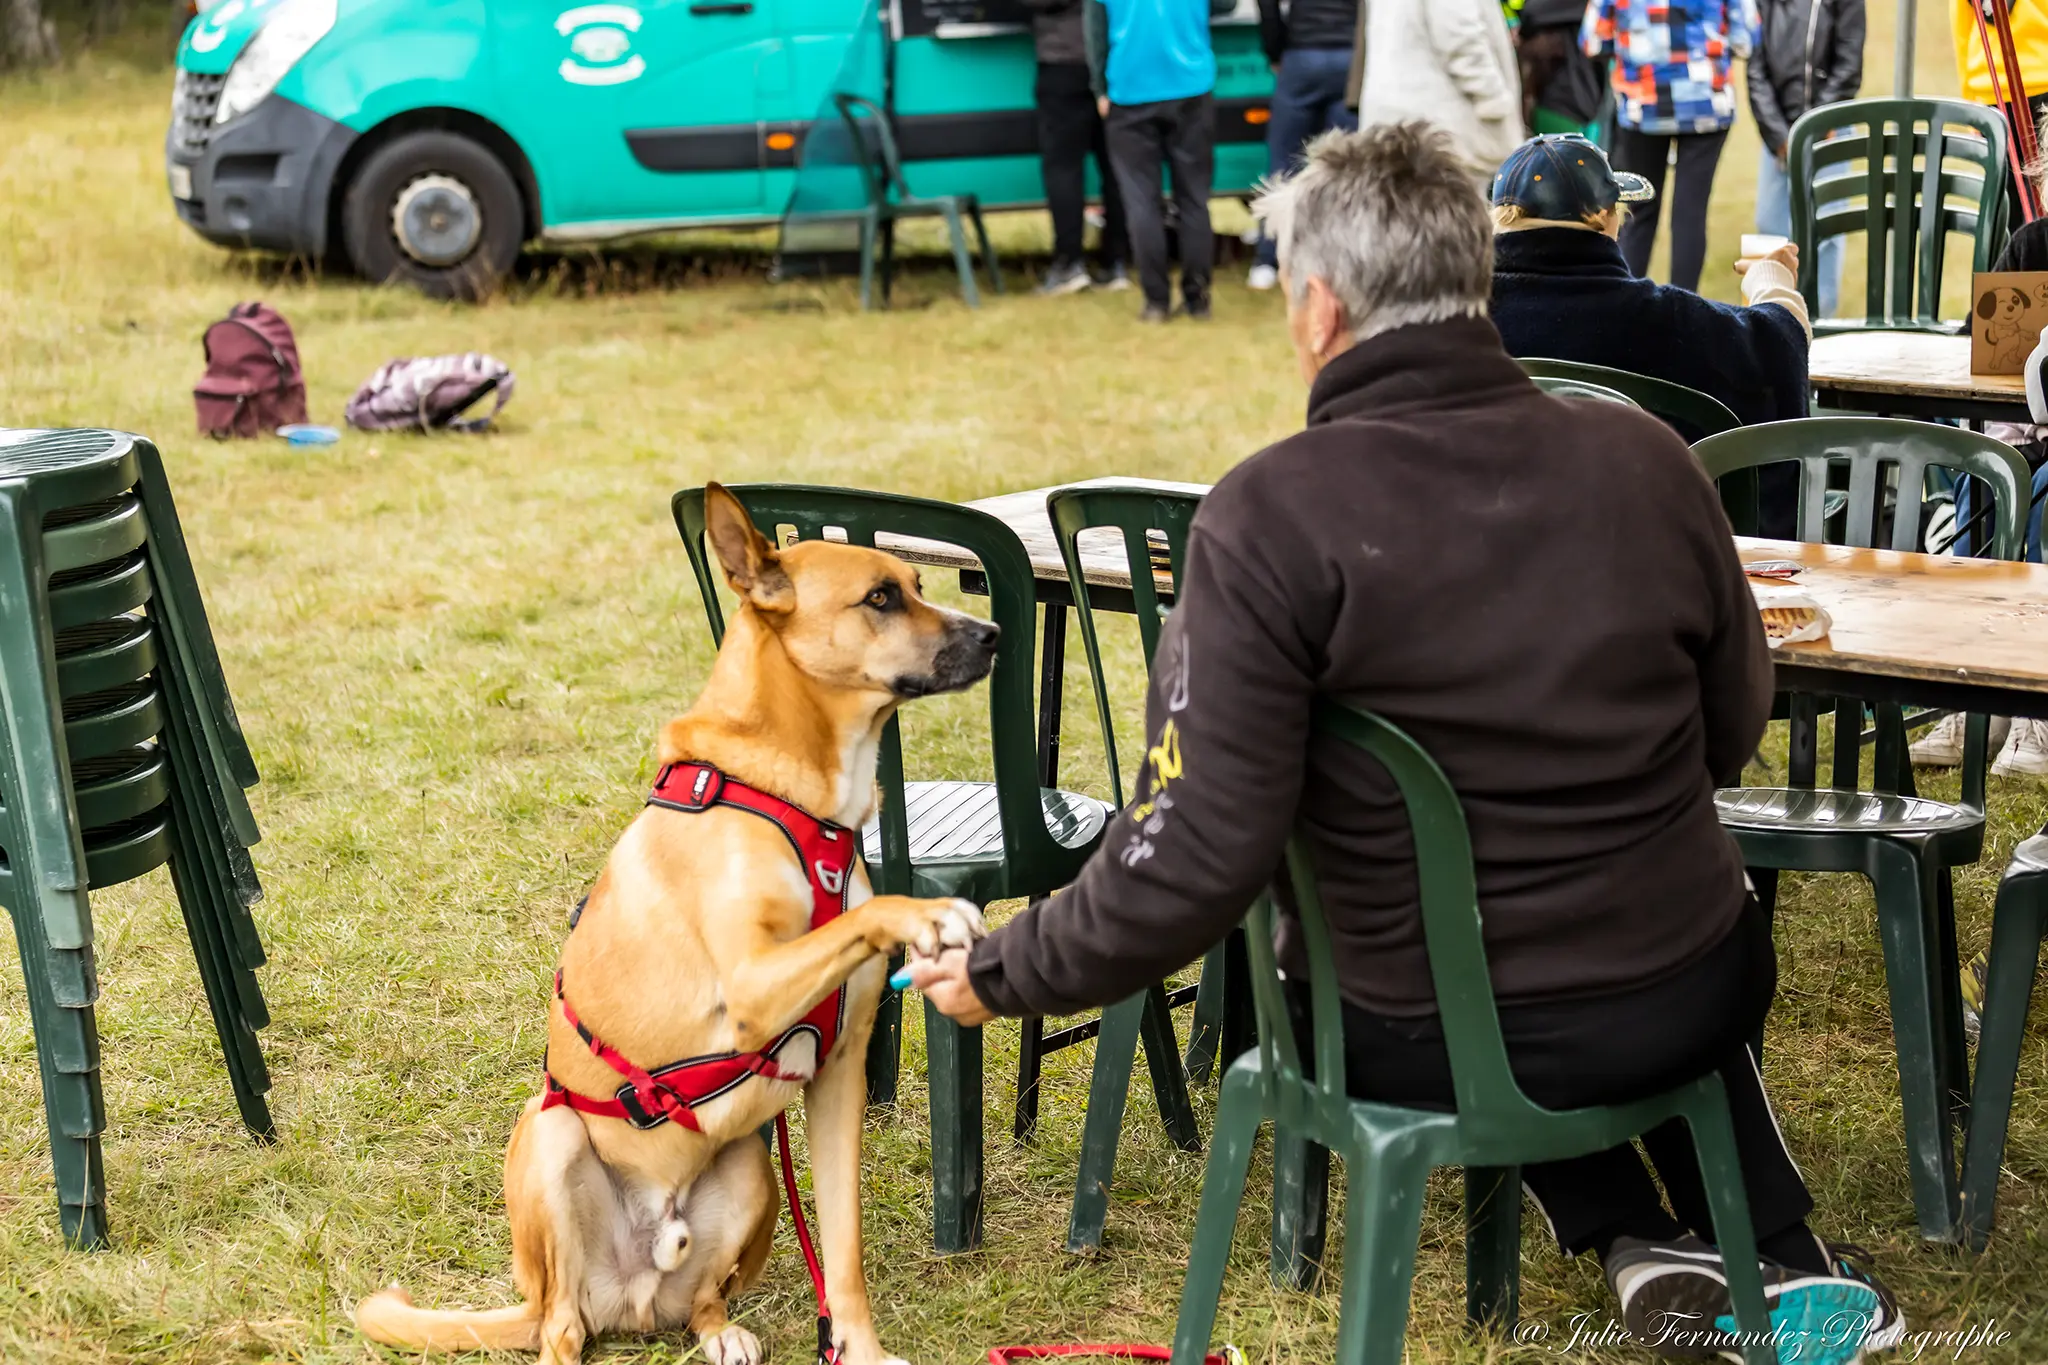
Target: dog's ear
(1986, 306)
(751, 564)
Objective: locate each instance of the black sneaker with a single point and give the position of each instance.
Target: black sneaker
(1155, 312)
(1196, 310)
(1670, 1294)
(1674, 1300)
(1116, 279)
(1065, 277)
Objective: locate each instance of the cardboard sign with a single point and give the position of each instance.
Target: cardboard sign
(2008, 310)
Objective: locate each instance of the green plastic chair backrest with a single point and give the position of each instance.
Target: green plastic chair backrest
(1703, 414)
(1580, 388)
(874, 142)
(1874, 449)
(861, 516)
(1490, 1102)
(1906, 173)
(1135, 511)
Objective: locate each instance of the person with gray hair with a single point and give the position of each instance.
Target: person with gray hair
(1545, 595)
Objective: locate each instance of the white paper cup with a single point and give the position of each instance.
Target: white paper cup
(1757, 245)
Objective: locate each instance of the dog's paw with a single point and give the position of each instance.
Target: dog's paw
(925, 927)
(734, 1345)
(947, 924)
(960, 924)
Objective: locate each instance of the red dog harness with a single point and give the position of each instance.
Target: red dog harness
(649, 1099)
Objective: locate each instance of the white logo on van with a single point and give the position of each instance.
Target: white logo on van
(213, 30)
(600, 41)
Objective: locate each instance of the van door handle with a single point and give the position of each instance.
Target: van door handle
(723, 7)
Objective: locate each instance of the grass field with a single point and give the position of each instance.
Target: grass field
(451, 656)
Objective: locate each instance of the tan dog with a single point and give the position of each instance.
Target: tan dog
(697, 939)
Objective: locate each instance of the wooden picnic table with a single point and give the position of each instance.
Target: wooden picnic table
(1925, 630)
(1911, 374)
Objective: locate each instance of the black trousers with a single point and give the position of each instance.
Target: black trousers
(1144, 139)
(1610, 1050)
(1069, 128)
(1645, 154)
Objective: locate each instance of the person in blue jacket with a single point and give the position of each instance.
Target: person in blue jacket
(1153, 69)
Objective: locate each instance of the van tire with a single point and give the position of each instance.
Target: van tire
(372, 240)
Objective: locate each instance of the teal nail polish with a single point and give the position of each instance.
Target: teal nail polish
(901, 980)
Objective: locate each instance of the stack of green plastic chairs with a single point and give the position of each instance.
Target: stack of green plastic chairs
(121, 753)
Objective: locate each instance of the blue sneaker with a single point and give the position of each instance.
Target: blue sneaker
(1674, 1300)
(1834, 1319)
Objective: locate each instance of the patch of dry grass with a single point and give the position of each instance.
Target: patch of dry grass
(450, 656)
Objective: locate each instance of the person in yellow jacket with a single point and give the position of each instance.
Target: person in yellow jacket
(2029, 41)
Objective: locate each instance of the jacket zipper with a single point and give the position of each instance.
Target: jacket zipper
(1812, 30)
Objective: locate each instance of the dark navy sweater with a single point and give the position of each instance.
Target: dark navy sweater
(1566, 294)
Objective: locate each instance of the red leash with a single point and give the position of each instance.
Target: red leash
(1003, 1355)
(998, 1355)
(827, 1352)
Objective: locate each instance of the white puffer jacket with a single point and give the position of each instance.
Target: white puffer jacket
(1450, 62)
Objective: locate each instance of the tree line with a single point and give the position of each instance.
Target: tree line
(38, 32)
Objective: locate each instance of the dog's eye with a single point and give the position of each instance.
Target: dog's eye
(884, 597)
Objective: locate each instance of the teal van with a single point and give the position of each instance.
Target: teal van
(428, 140)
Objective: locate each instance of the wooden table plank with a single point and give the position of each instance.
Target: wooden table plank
(1921, 618)
(1937, 618)
(1103, 564)
(1924, 369)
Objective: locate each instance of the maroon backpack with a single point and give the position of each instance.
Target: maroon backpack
(253, 384)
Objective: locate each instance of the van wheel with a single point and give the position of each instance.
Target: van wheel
(436, 210)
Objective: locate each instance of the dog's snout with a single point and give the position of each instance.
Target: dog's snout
(984, 633)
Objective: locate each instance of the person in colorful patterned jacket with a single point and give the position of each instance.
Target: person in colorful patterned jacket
(1672, 93)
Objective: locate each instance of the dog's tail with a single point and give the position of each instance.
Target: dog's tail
(391, 1317)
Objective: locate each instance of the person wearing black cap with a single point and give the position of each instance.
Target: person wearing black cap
(1561, 291)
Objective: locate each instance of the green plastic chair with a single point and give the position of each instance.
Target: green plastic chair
(1905, 173)
(890, 201)
(119, 753)
(2018, 924)
(1390, 1150)
(1702, 414)
(1580, 388)
(1904, 843)
(1222, 1015)
(981, 841)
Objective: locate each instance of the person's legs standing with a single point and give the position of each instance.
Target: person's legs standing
(1333, 71)
(1191, 151)
(1698, 155)
(1643, 154)
(1114, 246)
(1313, 80)
(1296, 117)
(1774, 215)
(1136, 151)
(1773, 195)
(1066, 119)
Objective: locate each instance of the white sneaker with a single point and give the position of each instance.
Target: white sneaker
(1942, 747)
(2026, 751)
(1262, 277)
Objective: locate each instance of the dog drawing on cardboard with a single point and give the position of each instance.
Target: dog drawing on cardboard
(2002, 312)
(732, 927)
